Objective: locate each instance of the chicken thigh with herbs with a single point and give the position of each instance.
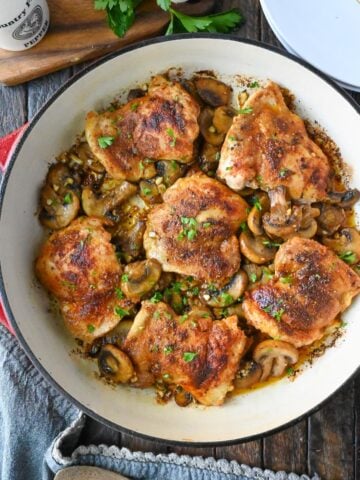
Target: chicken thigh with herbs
(267, 146)
(193, 231)
(162, 125)
(78, 265)
(312, 285)
(193, 351)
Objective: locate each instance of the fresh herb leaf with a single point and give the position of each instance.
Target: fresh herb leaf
(183, 318)
(195, 291)
(284, 172)
(156, 298)
(290, 371)
(256, 203)
(90, 328)
(171, 134)
(134, 106)
(253, 277)
(168, 349)
(254, 85)
(244, 226)
(120, 13)
(244, 111)
(267, 273)
(68, 199)
(348, 257)
(286, 279)
(189, 356)
(125, 277)
(146, 190)
(119, 293)
(121, 311)
(226, 298)
(222, 22)
(105, 142)
(232, 138)
(270, 244)
(164, 4)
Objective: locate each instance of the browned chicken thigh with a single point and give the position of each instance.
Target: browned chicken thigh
(268, 146)
(78, 265)
(161, 125)
(193, 231)
(191, 350)
(310, 288)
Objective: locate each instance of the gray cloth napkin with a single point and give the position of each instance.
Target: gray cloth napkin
(40, 432)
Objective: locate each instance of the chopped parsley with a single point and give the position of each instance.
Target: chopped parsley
(156, 298)
(171, 134)
(284, 172)
(244, 111)
(168, 349)
(267, 273)
(68, 199)
(134, 106)
(290, 371)
(232, 138)
(189, 356)
(121, 311)
(146, 190)
(270, 244)
(183, 318)
(125, 277)
(253, 277)
(348, 257)
(254, 84)
(105, 142)
(166, 376)
(90, 328)
(119, 293)
(66, 283)
(244, 226)
(189, 229)
(226, 298)
(286, 279)
(255, 202)
(228, 168)
(207, 224)
(277, 314)
(195, 291)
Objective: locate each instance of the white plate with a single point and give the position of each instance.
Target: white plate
(292, 51)
(44, 338)
(323, 32)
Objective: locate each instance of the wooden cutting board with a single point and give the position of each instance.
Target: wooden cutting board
(78, 32)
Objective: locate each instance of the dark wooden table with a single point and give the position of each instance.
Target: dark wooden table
(327, 442)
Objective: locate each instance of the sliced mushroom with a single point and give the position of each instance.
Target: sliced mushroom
(212, 91)
(58, 209)
(115, 365)
(209, 158)
(223, 118)
(149, 192)
(253, 271)
(248, 374)
(181, 397)
(285, 221)
(331, 218)
(128, 236)
(112, 194)
(258, 249)
(170, 171)
(118, 334)
(207, 128)
(135, 93)
(345, 199)
(140, 278)
(88, 159)
(346, 244)
(227, 295)
(274, 356)
(254, 220)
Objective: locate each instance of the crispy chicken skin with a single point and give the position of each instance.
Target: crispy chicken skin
(212, 252)
(193, 351)
(162, 125)
(270, 147)
(310, 288)
(78, 265)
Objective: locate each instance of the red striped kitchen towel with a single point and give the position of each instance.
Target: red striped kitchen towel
(7, 144)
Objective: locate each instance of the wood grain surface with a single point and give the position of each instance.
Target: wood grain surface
(78, 32)
(327, 442)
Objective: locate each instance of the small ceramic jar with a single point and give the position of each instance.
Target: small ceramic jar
(23, 23)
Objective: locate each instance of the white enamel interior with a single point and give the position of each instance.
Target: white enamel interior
(20, 235)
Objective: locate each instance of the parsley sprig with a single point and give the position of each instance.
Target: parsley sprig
(121, 15)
